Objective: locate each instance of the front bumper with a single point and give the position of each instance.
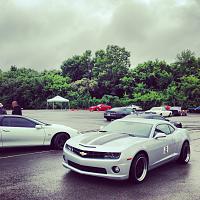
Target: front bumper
(104, 164)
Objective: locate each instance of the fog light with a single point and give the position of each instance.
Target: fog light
(116, 169)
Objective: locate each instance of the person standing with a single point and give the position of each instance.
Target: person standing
(2, 110)
(16, 109)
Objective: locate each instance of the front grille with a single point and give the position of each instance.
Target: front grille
(87, 154)
(93, 154)
(87, 168)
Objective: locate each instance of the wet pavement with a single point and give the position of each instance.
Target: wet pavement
(37, 173)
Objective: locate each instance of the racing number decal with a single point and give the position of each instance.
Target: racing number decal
(165, 149)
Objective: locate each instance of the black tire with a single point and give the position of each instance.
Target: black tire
(108, 119)
(59, 140)
(184, 157)
(138, 169)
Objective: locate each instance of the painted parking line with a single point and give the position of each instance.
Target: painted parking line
(25, 154)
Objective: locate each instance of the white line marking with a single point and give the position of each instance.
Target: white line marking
(24, 154)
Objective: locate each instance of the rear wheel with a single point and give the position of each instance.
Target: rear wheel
(139, 169)
(59, 140)
(108, 119)
(184, 157)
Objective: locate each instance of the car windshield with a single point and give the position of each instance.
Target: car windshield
(117, 109)
(136, 129)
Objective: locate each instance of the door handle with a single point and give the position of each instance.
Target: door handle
(6, 130)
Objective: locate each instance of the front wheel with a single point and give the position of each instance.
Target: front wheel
(184, 157)
(59, 140)
(139, 169)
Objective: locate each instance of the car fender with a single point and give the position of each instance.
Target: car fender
(50, 132)
(129, 154)
(182, 136)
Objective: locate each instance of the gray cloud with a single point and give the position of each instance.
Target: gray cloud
(42, 33)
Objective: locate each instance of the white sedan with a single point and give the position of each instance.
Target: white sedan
(23, 131)
(127, 149)
(160, 111)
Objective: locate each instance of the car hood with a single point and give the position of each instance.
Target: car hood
(108, 141)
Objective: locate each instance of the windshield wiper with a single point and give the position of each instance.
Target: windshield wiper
(102, 131)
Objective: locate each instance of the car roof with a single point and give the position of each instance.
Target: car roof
(8, 115)
(145, 121)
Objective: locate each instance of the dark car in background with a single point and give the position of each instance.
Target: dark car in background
(117, 113)
(194, 109)
(155, 116)
(178, 111)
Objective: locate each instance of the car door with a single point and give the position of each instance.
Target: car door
(163, 149)
(20, 131)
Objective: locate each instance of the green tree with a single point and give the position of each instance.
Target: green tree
(78, 67)
(110, 66)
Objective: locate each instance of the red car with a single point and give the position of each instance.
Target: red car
(100, 107)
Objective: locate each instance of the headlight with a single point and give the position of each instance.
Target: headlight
(69, 147)
(110, 155)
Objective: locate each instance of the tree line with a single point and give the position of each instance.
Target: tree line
(106, 77)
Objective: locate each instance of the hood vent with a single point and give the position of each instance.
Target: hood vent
(87, 146)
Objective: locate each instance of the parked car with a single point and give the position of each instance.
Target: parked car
(154, 116)
(160, 111)
(194, 109)
(23, 131)
(100, 107)
(127, 149)
(134, 107)
(177, 111)
(117, 113)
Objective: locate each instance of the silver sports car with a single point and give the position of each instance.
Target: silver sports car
(127, 149)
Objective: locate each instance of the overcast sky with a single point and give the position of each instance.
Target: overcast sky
(41, 34)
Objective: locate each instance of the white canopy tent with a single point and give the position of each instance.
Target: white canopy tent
(57, 99)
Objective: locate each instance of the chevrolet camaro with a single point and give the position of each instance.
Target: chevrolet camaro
(127, 149)
(16, 131)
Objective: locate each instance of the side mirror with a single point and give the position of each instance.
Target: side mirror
(159, 135)
(38, 126)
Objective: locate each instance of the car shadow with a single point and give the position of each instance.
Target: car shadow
(167, 173)
(9, 151)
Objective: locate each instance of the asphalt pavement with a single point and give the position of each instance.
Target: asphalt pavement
(37, 173)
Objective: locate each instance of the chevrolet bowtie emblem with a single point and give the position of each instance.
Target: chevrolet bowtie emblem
(82, 153)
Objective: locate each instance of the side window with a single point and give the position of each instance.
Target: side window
(163, 128)
(18, 122)
(172, 129)
(6, 121)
